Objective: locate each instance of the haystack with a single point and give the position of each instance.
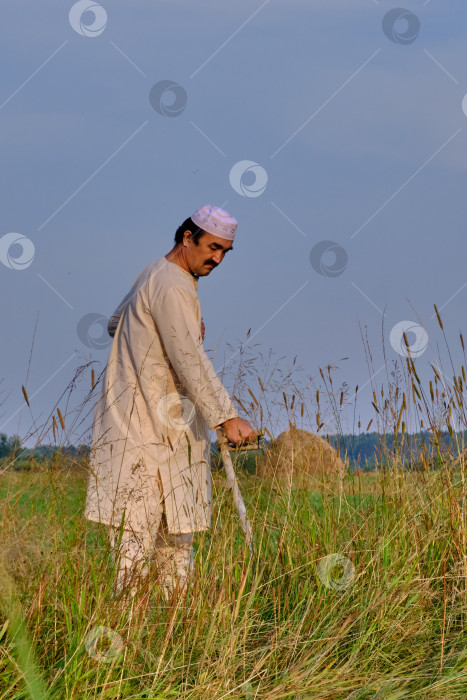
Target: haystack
(298, 453)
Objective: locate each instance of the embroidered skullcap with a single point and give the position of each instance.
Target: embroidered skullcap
(216, 221)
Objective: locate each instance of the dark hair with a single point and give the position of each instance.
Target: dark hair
(189, 225)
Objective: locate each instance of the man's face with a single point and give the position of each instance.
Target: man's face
(207, 255)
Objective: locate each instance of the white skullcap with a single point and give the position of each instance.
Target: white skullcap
(215, 221)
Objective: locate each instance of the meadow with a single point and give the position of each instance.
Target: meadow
(353, 592)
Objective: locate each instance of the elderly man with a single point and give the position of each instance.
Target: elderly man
(159, 399)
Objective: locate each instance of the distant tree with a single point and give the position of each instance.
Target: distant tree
(8, 444)
(3, 445)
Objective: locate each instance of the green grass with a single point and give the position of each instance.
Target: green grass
(262, 628)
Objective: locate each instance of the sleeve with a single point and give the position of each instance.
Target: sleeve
(175, 317)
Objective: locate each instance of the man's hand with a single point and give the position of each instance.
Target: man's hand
(203, 329)
(239, 431)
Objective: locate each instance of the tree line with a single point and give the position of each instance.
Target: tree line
(365, 451)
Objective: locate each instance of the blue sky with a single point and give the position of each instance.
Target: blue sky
(362, 141)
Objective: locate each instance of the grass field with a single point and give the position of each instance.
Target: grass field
(353, 593)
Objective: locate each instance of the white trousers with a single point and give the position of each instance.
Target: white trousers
(137, 553)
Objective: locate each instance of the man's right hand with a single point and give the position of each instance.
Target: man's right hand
(239, 431)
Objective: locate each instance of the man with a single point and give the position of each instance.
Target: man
(159, 399)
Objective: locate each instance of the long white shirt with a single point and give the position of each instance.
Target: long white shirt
(158, 400)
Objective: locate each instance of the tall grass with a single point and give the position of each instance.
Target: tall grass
(355, 591)
(269, 627)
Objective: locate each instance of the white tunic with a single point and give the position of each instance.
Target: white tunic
(159, 398)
